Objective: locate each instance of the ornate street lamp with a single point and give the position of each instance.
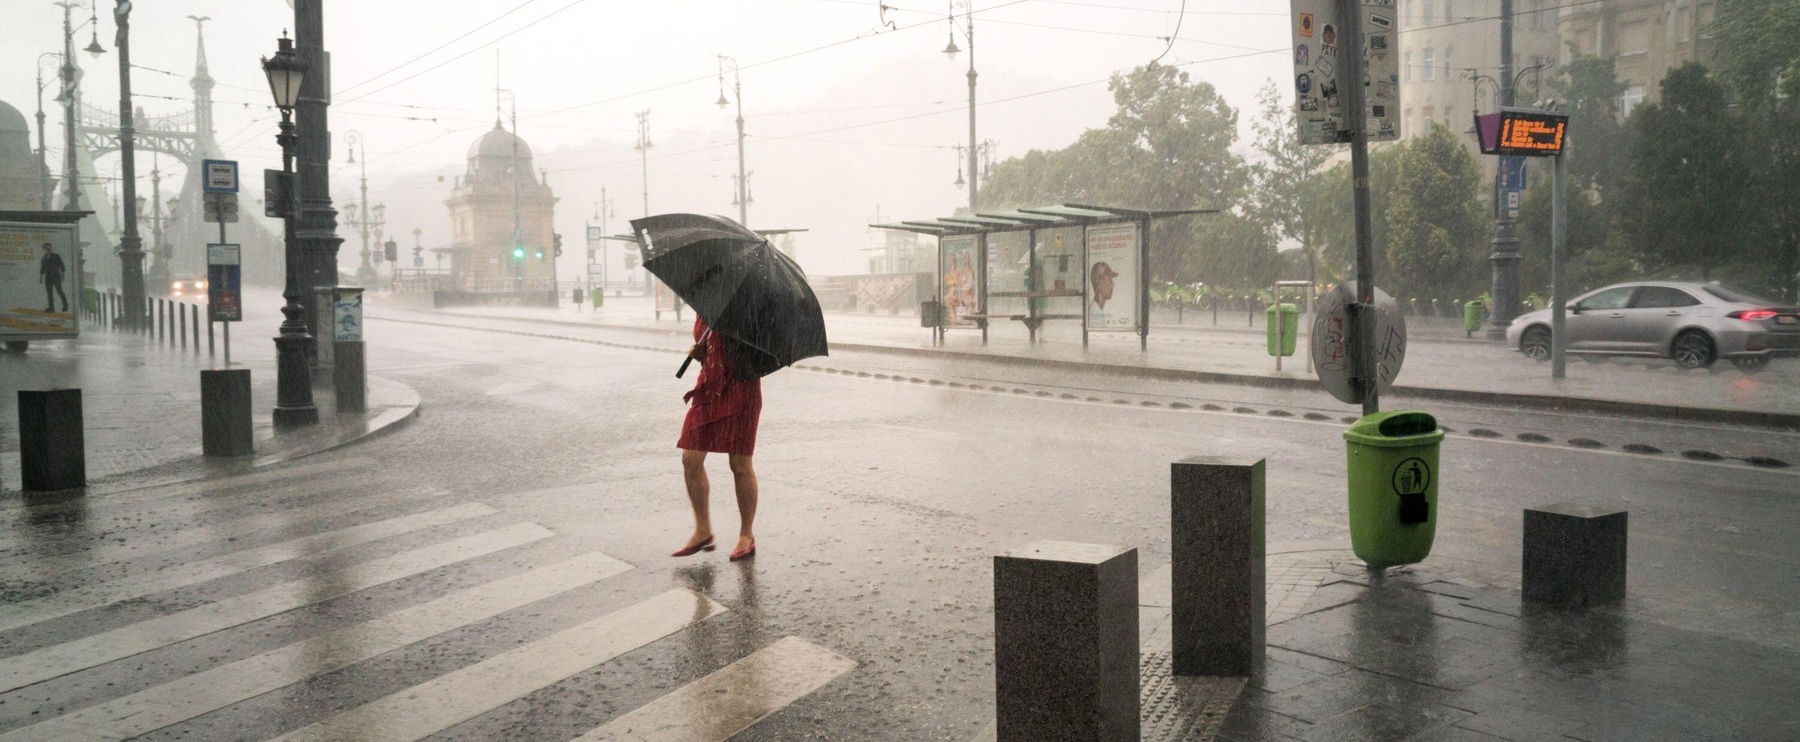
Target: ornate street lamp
(293, 380)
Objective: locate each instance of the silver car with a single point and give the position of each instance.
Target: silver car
(1695, 324)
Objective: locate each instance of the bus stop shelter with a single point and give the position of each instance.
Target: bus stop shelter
(1028, 265)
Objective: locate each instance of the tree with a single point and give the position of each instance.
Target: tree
(1166, 146)
(1282, 176)
(1434, 239)
(1684, 204)
(1762, 66)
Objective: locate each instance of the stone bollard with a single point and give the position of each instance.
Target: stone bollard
(1066, 643)
(225, 428)
(1574, 555)
(1216, 554)
(347, 376)
(52, 452)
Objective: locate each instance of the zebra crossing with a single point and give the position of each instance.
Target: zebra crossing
(302, 532)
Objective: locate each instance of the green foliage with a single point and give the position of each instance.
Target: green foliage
(1683, 190)
(1434, 242)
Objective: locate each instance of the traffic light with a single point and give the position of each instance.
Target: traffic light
(393, 251)
(518, 252)
(540, 255)
(558, 239)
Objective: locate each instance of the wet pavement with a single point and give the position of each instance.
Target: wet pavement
(498, 569)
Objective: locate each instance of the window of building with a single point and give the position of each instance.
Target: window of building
(1429, 8)
(1448, 51)
(1634, 38)
(1430, 64)
(1430, 116)
(1630, 99)
(1406, 124)
(1406, 70)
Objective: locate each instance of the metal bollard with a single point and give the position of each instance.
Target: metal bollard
(347, 377)
(1216, 554)
(1066, 643)
(52, 452)
(196, 316)
(181, 316)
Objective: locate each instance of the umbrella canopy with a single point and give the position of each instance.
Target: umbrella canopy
(740, 285)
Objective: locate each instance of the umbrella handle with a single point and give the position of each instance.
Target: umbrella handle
(690, 358)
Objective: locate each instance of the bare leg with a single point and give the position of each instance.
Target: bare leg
(693, 471)
(743, 476)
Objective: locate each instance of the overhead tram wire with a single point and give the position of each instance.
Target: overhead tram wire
(488, 43)
(436, 49)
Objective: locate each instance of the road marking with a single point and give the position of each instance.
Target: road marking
(170, 703)
(113, 548)
(57, 660)
(730, 700)
(183, 489)
(464, 694)
(96, 594)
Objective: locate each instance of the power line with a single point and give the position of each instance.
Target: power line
(489, 43)
(433, 50)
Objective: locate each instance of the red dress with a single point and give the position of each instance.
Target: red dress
(724, 411)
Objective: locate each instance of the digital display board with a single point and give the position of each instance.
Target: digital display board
(1529, 133)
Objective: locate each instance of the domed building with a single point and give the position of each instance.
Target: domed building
(502, 218)
(21, 176)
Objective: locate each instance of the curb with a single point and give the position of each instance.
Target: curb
(1751, 418)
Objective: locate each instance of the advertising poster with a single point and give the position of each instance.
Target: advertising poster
(961, 270)
(224, 283)
(1008, 258)
(347, 324)
(1318, 62)
(39, 272)
(665, 296)
(1112, 277)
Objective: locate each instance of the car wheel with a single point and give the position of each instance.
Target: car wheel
(1535, 344)
(1751, 364)
(1693, 349)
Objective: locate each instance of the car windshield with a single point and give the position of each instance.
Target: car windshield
(1733, 295)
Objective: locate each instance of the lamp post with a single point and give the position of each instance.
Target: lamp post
(69, 98)
(293, 399)
(43, 165)
(131, 246)
(1505, 259)
(365, 274)
(315, 228)
(742, 198)
(950, 51)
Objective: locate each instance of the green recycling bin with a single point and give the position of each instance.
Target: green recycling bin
(1289, 327)
(599, 296)
(1473, 313)
(1393, 468)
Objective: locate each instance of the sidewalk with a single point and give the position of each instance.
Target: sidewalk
(1439, 364)
(141, 405)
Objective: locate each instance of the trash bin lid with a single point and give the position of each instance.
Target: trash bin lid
(1395, 429)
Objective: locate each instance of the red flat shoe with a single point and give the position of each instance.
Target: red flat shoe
(706, 545)
(744, 554)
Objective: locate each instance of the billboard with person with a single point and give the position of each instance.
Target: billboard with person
(1112, 277)
(960, 269)
(40, 269)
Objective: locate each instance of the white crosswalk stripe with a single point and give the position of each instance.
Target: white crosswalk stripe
(53, 661)
(170, 703)
(466, 693)
(95, 595)
(715, 707)
(252, 482)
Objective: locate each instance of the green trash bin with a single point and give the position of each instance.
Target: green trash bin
(1289, 327)
(1393, 467)
(1473, 313)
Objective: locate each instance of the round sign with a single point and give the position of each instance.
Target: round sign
(1412, 477)
(1333, 342)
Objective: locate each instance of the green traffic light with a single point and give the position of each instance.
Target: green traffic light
(540, 255)
(518, 252)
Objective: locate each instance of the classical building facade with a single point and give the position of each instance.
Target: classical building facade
(502, 219)
(1450, 60)
(1646, 39)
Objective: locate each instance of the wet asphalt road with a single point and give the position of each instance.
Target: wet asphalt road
(883, 500)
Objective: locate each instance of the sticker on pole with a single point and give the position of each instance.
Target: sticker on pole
(224, 283)
(1321, 72)
(1333, 341)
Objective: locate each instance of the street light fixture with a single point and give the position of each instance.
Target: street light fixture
(737, 94)
(293, 400)
(94, 46)
(950, 51)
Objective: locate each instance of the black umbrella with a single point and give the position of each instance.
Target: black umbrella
(740, 285)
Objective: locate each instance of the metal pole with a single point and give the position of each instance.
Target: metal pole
(1350, 17)
(974, 159)
(1558, 234)
(131, 246)
(43, 166)
(1143, 285)
(316, 231)
(293, 384)
(71, 172)
(1505, 239)
(643, 148)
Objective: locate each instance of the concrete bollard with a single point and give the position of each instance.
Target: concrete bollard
(1066, 643)
(52, 452)
(1574, 555)
(1216, 554)
(225, 428)
(348, 378)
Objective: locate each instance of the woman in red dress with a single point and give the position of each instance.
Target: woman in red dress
(721, 418)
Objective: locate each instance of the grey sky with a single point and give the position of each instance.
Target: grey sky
(825, 147)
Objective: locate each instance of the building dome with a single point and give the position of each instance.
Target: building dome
(16, 158)
(11, 119)
(498, 142)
